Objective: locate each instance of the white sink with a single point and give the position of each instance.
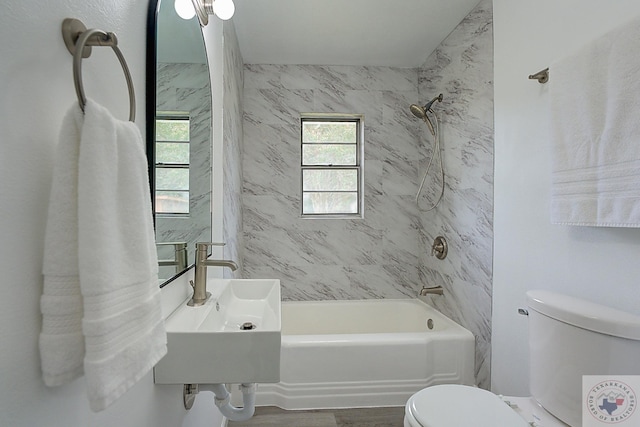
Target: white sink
(206, 344)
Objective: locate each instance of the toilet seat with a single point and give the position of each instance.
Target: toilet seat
(452, 405)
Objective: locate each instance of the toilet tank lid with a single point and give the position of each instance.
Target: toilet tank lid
(585, 314)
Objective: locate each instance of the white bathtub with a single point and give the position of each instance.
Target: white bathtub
(347, 354)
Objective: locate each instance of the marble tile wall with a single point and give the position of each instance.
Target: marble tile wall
(233, 149)
(372, 257)
(461, 69)
(186, 87)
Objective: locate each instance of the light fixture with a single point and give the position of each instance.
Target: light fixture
(184, 9)
(223, 9)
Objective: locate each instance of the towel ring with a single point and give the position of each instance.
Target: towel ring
(80, 49)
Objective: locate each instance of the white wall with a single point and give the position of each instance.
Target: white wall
(36, 89)
(598, 264)
(233, 142)
(213, 39)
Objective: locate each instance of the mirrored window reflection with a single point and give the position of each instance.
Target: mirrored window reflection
(172, 163)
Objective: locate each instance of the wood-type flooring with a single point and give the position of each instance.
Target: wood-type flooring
(269, 416)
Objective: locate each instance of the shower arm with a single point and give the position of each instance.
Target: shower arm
(427, 107)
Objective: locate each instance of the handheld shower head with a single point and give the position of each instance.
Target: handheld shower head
(418, 111)
(421, 112)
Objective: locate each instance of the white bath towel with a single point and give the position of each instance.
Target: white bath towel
(595, 117)
(61, 340)
(116, 262)
(122, 324)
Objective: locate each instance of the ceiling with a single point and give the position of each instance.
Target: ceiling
(399, 33)
(178, 40)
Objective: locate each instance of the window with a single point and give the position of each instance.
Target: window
(332, 166)
(172, 163)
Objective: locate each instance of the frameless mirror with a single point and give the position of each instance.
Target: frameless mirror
(178, 135)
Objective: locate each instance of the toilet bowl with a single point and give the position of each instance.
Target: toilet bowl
(560, 329)
(451, 405)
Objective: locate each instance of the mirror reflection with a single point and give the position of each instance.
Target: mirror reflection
(181, 140)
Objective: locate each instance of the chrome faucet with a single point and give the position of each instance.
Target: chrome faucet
(199, 284)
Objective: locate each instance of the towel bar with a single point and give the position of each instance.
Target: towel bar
(541, 76)
(79, 41)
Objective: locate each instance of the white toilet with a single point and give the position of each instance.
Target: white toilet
(568, 338)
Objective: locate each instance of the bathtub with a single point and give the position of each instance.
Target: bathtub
(348, 354)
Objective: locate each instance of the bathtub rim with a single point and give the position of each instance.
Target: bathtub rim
(454, 328)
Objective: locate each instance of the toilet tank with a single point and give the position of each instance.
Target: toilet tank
(570, 337)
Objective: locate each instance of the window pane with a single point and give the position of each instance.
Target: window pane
(172, 152)
(328, 154)
(172, 130)
(313, 131)
(330, 203)
(172, 179)
(330, 180)
(172, 202)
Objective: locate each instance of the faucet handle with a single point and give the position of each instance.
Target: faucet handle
(177, 245)
(202, 246)
(206, 244)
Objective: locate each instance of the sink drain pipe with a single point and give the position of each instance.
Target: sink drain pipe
(222, 401)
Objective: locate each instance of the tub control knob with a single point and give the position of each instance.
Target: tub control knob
(439, 248)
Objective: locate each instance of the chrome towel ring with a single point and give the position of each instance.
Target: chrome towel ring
(79, 41)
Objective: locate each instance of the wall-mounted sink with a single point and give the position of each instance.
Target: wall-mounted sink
(208, 344)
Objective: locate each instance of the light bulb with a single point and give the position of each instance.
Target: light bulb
(224, 9)
(184, 9)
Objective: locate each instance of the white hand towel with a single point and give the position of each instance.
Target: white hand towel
(595, 110)
(118, 267)
(101, 301)
(61, 340)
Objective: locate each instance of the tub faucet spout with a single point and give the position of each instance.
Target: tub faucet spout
(199, 284)
(437, 290)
